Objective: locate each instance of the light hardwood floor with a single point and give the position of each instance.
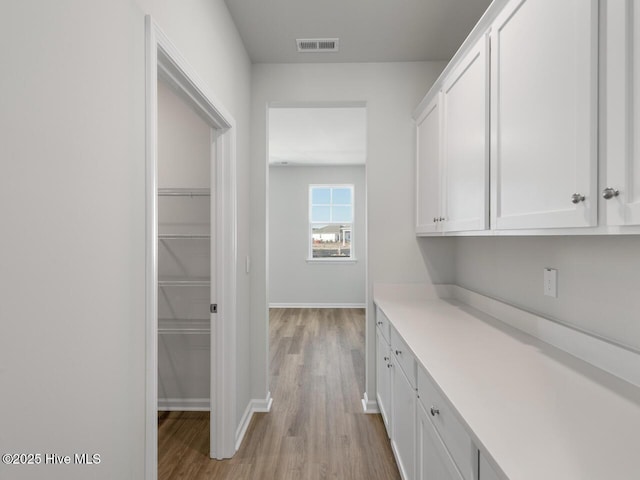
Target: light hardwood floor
(316, 429)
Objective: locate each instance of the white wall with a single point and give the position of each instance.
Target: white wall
(72, 203)
(293, 280)
(391, 92)
(598, 279)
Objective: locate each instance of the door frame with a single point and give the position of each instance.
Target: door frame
(369, 405)
(163, 60)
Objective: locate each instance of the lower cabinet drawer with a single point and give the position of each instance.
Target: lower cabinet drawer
(404, 357)
(382, 322)
(453, 434)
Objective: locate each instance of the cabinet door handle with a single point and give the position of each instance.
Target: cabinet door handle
(577, 198)
(435, 220)
(379, 322)
(398, 352)
(609, 193)
(389, 365)
(386, 359)
(434, 411)
(441, 219)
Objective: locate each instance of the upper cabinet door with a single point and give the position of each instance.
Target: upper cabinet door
(428, 168)
(465, 106)
(544, 114)
(621, 187)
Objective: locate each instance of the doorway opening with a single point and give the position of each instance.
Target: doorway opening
(317, 238)
(190, 249)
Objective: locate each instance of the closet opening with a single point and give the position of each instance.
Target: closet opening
(191, 257)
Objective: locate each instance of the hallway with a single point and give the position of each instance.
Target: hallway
(316, 428)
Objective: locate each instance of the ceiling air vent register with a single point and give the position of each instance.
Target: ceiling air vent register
(317, 44)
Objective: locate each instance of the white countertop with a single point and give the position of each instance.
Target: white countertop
(536, 412)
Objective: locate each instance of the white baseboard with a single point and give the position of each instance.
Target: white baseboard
(602, 353)
(255, 405)
(184, 404)
(369, 406)
(317, 305)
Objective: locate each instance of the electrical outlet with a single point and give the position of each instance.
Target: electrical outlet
(551, 282)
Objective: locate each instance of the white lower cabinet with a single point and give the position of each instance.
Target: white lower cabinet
(403, 420)
(383, 378)
(433, 461)
(486, 471)
(453, 433)
(427, 439)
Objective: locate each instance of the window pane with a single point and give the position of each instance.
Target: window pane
(320, 214)
(331, 241)
(342, 214)
(320, 196)
(342, 196)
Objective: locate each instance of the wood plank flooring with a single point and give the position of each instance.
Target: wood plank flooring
(316, 429)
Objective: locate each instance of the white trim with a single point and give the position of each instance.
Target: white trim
(223, 331)
(317, 305)
(576, 231)
(318, 104)
(151, 258)
(274, 164)
(334, 261)
(254, 406)
(619, 360)
(164, 60)
(369, 406)
(168, 326)
(184, 405)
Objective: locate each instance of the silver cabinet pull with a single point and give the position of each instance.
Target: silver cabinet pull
(398, 352)
(577, 198)
(435, 411)
(386, 359)
(389, 365)
(441, 219)
(609, 193)
(379, 322)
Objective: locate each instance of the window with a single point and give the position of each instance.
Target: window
(330, 222)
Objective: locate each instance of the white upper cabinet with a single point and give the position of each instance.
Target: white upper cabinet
(453, 150)
(620, 188)
(544, 114)
(465, 108)
(428, 210)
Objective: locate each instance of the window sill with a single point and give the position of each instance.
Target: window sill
(334, 261)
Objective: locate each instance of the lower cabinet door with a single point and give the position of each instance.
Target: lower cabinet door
(403, 423)
(486, 472)
(433, 460)
(383, 379)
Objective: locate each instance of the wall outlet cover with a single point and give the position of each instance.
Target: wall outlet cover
(551, 282)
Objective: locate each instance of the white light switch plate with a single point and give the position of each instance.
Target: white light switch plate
(551, 282)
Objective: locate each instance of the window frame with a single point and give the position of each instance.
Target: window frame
(310, 258)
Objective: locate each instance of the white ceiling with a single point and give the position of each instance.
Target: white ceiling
(317, 136)
(369, 30)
